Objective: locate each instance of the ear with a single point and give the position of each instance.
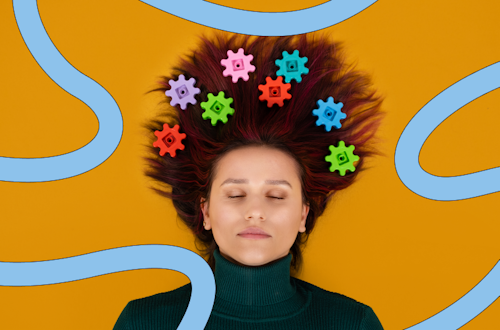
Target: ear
(305, 213)
(206, 216)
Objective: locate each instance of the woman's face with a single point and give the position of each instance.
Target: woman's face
(255, 188)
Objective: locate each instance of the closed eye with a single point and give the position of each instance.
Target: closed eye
(235, 196)
(275, 197)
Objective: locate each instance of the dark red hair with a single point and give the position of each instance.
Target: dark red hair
(291, 128)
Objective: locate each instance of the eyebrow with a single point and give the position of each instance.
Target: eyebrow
(271, 182)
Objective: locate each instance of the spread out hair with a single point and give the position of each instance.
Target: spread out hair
(296, 118)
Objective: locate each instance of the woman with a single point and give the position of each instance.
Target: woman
(251, 188)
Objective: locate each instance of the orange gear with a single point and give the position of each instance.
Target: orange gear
(274, 91)
(169, 140)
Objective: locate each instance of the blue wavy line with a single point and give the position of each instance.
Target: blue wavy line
(123, 259)
(75, 83)
(467, 307)
(425, 122)
(262, 23)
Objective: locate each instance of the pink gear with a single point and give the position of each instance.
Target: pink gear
(237, 65)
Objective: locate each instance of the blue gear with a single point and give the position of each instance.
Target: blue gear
(292, 66)
(329, 114)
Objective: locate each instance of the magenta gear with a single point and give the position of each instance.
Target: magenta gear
(237, 65)
(182, 92)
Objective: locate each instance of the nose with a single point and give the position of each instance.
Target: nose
(255, 211)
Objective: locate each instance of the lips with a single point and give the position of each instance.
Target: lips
(254, 231)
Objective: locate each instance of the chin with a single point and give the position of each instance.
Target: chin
(255, 259)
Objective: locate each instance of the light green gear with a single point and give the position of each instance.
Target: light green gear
(217, 108)
(342, 158)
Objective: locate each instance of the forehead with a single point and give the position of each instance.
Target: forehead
(257, 162)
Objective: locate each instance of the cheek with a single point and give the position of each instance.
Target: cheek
(288, 217)
(223, 219)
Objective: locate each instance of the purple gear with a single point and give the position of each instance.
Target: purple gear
(182, 92)
(237, 65)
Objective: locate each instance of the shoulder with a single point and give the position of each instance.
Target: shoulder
(334, 298)
(140, 313)
(171, 300)
(177, 297)
(341, 308)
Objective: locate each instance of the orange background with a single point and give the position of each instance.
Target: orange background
(405, 256)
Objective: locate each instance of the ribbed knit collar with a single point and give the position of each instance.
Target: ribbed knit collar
(246, 291)
(246, 285)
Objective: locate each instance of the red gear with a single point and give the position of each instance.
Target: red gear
(169, 140)
(274, 91)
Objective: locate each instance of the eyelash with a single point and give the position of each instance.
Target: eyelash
(233, 197)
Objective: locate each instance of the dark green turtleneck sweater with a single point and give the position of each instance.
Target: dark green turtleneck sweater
(253, 298)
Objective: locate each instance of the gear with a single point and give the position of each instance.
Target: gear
(217, 108)
(292, 66)
(329, 114)
(169, 140)
(237, 65)
(182, 92)
(342, 158)
(274, 91)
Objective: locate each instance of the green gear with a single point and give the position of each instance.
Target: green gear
(342, 158)
(217, 108)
